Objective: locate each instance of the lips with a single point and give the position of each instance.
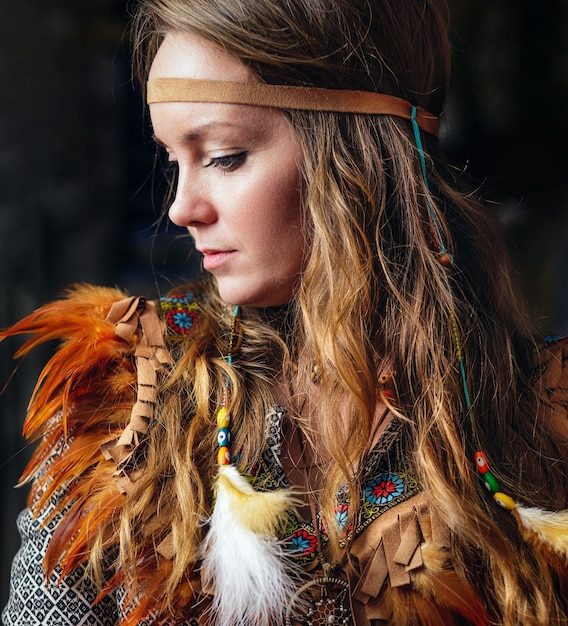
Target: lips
(214, 259)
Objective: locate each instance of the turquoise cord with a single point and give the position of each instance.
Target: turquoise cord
(443, 250)
(418, 139)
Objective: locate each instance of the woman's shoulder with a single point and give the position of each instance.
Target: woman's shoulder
(551, 381)
(551, 360)
(89, 314)
(102, 374)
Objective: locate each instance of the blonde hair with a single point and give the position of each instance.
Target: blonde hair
(373, 299)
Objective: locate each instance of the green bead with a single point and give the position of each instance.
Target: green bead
(491, 482)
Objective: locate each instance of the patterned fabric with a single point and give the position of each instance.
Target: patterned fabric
(387, 482)
(35, 601)
(57, 601)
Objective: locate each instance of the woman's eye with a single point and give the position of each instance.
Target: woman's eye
(229, 162)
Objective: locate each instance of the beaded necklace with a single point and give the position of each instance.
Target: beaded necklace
(224, 415)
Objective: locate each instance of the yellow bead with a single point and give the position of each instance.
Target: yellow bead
(223, 418)
(223, 456)
(504, 500)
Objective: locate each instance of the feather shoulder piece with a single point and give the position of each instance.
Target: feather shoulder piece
(90, 409)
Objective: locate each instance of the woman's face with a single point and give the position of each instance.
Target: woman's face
(238, 190)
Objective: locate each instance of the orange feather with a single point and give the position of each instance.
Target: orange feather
(82, 400)
(444, 593)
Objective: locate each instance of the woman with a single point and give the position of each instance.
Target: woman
(311, 438)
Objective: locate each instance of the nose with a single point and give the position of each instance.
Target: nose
(192, 205)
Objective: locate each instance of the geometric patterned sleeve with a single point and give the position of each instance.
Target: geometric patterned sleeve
(35, 601)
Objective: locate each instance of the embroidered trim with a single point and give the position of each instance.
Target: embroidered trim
(181, 312)
(386, 483)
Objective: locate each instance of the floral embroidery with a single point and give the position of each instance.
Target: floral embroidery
(303, 544)
(380, 492)
(181, 312)
(181, 321)
(384, 489)
(342, 516)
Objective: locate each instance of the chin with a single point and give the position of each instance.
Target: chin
(239, 297)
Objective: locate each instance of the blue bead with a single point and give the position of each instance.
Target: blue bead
(223, 437)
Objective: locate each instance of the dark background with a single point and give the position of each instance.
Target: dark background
(77, 197)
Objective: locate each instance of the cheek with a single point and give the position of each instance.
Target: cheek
(277, 226)
(281, 200)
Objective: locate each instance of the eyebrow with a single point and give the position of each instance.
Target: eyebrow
(197, 133)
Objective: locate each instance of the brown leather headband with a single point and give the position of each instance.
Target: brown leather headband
(286, 97)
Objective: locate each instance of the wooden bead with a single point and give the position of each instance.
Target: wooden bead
(223, 456)
(223, 418)
(445, 259)
(481, 462)
(504, 500)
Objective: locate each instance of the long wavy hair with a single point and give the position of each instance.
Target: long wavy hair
(374, 301)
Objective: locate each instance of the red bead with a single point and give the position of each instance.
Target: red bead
(481, 462)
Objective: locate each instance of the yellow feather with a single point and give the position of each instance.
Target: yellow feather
(260, 512)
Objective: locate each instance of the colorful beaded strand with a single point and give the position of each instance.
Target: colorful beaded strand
(445, 259)
(224, 415)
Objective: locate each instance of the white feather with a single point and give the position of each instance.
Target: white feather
(249, 573)
(551, 527)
